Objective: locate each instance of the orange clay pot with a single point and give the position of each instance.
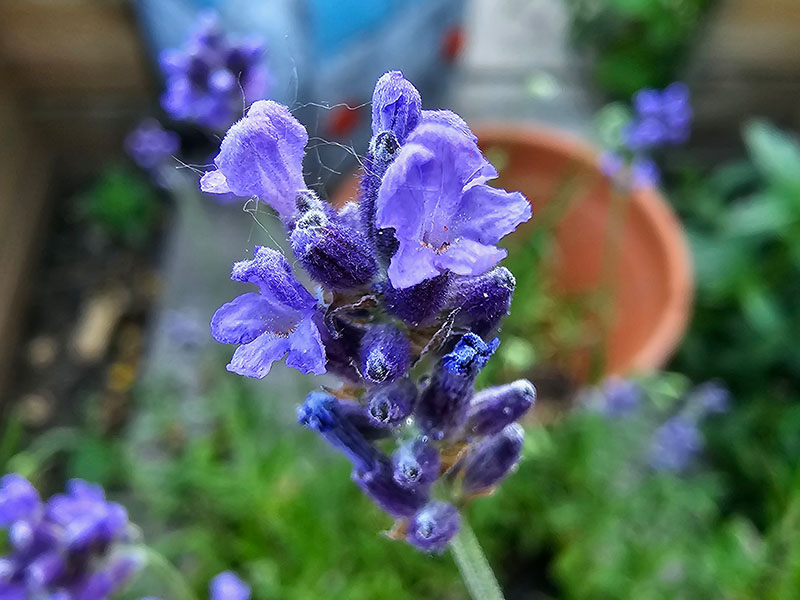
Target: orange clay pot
(650, 274)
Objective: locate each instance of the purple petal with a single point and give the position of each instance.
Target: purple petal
(242, 320)
(412, 264)
(255, 359)
(449, 118)
(269, 270)
(467, 257)
(306, 351)
(489, 213)
(262, 155)
(214, 182)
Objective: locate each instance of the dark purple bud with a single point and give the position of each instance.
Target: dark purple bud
(385, 354)
(391, 404)
(419, 304)
(433, 527)
(482, 301)
(321, 412)
(18, 499)
(491, 459)
(416, 465)
(491, 410)
(333, 255)
(342, 342)
(382, 150)
(358, 415)
(396, 105)
(378, 483)
(442, 409)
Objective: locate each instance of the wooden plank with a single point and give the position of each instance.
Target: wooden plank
(25, 169)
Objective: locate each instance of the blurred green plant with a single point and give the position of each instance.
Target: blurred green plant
(635, 43)
(744, 227)
(121, 204)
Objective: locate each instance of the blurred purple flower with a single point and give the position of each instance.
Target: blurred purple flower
(675, 444)
(663, 118)
(228, 586)
(209, 80)
(150, 145)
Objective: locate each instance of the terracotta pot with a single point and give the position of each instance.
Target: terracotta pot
(650, 279)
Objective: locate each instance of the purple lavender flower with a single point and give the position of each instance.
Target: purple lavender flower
(228, 586)
(434, 526)
(75, 545)
(675, 444)
(712, 397)
(273, 323)
(262, 155)
(208, 80)
(150, 145)
(619, 397)
(663, 118)
(445, 217)
(644, 172)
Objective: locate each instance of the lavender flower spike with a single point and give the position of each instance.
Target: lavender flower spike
(445, 217)
(434, 526)
(276, 322)
(262, 155)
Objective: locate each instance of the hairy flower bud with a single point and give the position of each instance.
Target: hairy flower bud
(489, 461)
(416, 465)
(385, 354)
(491, 410)
(321, 412)
(442, 408)
(389, 405)
(482, 301)
(378, 483)
(419, 304)
(434, 526)
(396, 105)
(334, 255)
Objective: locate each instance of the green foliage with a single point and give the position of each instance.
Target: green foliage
(745, 232)
(636, 43)
(122, 205)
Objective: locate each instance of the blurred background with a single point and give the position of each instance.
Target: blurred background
(656, 308)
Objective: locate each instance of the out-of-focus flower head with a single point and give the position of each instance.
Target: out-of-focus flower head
(150, 145)
(74, 545)
(212, 77)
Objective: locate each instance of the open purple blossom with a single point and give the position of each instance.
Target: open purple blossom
(211, 77)
(262, 156)
(74, 545)
(274, 322)
(444, 215)
(150, 145)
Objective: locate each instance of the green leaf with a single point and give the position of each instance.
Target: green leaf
(763, 214)
(775, 154)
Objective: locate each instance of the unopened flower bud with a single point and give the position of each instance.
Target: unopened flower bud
(385, 354)
(492, 459)
(416, 465)
(378, 483)
(434, 526)
(396, 105)
(419, 304)
(491, 410)
(390, 404)
(482, 301)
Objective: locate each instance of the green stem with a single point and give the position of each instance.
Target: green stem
(180, 590)
(475, 570)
